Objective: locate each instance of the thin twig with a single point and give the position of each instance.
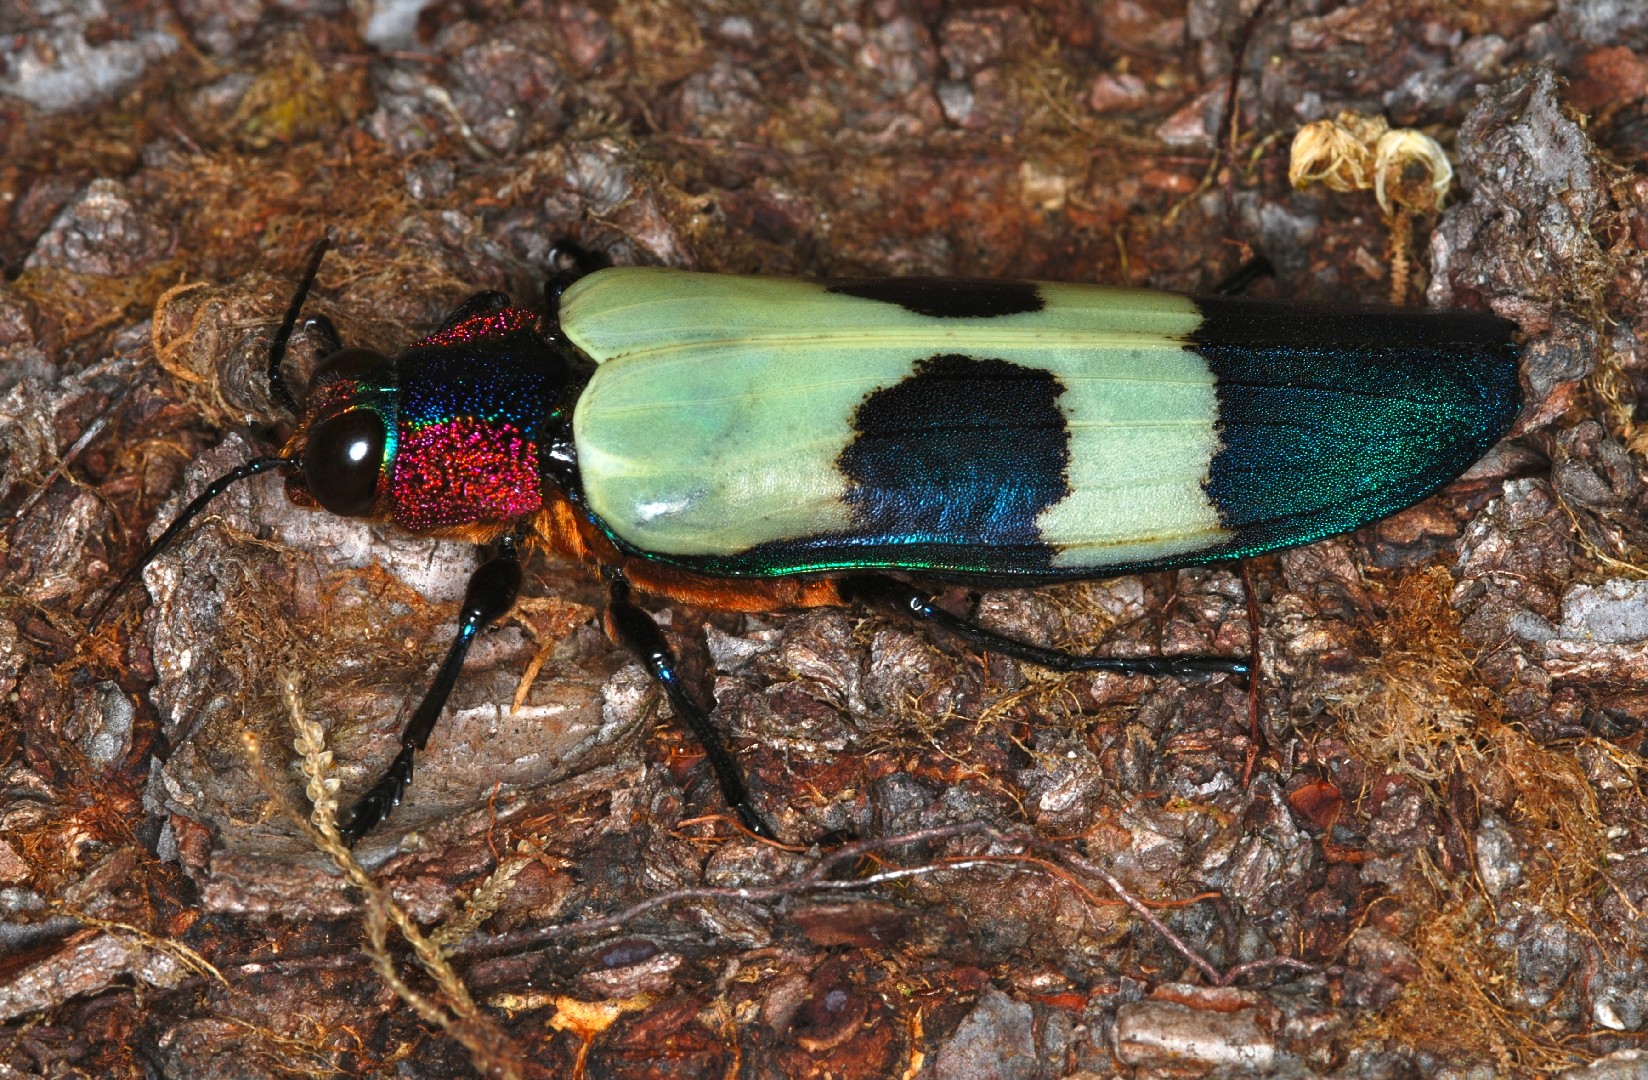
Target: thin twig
(1111, 882)
(813, 880)
(174, 949)
(93, 430)
(1270, 962)
(1048, 858)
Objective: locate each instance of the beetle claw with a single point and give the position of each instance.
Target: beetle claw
(376, 804)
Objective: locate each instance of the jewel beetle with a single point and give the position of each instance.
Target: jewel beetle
(758, 444)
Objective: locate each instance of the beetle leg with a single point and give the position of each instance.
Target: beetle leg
(634, 629)
(567, 256)
(568, 262)
(491, 593)
(1245, 275)
(908, 600)
(324, 328)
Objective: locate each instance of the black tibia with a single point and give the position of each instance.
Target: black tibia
(491, 593)
(277, 348)
(1245, 275)
(634, 629)
(895, 594)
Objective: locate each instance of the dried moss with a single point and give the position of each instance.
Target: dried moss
(1421, 711)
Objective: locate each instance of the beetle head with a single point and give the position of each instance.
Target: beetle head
(343, 445)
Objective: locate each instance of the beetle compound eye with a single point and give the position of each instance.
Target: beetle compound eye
(342, 460)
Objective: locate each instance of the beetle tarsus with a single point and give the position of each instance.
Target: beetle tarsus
(634, 629)
(376, 804)
(910, 601)
(491, 593)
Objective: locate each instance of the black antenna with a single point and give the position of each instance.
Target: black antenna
(278, 388)
(190, 512)
(277, 348)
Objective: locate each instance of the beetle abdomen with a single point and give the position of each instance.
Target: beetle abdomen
(761, 426)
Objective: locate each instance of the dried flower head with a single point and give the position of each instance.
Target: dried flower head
(1410, 170)
(1337, 153)
(1406, 169)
